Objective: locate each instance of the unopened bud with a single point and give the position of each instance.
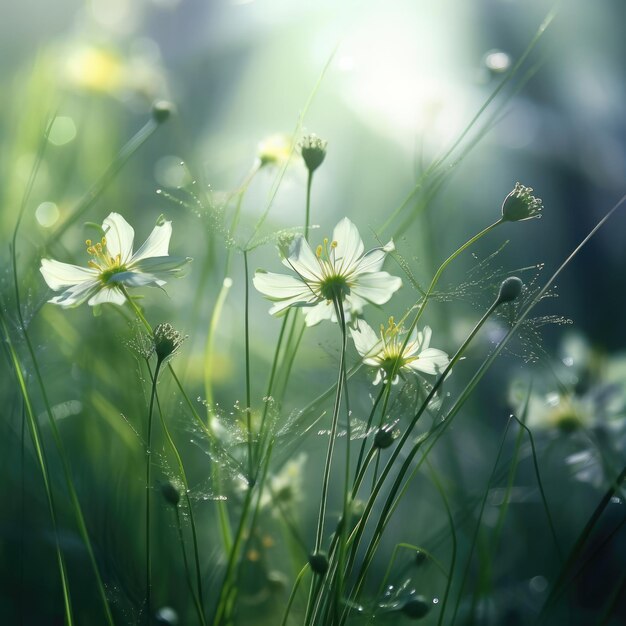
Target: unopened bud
(510, 289)
(170, 493)
(318, 562)
(161, 111)
(384, 438)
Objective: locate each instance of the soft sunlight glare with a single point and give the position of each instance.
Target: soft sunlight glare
(47, 214)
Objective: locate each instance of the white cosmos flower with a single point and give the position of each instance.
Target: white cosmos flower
(384, 351)
(113, 264)
(336, 270)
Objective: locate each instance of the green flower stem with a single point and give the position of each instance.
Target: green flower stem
(225, 528)
(33, 427)
(199, 598)
(226, 284)
(307, 215)
(319, 535)
(270, 384)
(370, 419)
(247, 355)
(444, 498)
(148, 492)
(228, 589)
(181, 538)
(292, 595)
(210, 340)
(181, 467)
(380, 425)
(481, 511)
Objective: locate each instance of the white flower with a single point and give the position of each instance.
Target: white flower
(384, 351)
(113, 264)
(337, 270)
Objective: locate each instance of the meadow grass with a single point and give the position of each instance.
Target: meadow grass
(169, 501)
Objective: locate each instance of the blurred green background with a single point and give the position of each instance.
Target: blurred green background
(403, 80)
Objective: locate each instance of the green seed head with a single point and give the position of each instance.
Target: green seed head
(313, 150)
(166, 341)
(521, 205)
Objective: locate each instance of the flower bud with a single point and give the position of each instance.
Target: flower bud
(170, 493)
(166, 341)
(416, 607)
(521, 205)
(420, 557)
(384, 438)
(510, 289)
(318, 562)
(313, 150)
(161, 111)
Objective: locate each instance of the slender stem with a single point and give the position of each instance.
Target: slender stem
(247, 349)
(307, 215)
(333, 434)
(292, 595)
(370, 419)
(319, 535)
(210, 340)
(181, 538)
(479, 522)
(148, 491)
(183, 476)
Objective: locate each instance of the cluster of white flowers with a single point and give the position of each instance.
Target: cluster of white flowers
(340, 274)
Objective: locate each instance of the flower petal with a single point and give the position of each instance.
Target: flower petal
(423, 338)
(430, 361)
(135, 279)
(366, 341)
(280, 286)
(58, 275)
(156, 244)
(299, 257)
(77, 294)
(372, 261)
(377, 287)
(349, 245)
(161, 266)
(119, 235)
(108, 295)
(315, 314)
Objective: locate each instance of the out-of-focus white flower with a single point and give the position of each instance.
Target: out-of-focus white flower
(113, 265)
(338, 271)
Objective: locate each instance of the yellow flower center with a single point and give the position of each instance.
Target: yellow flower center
(103, 261)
